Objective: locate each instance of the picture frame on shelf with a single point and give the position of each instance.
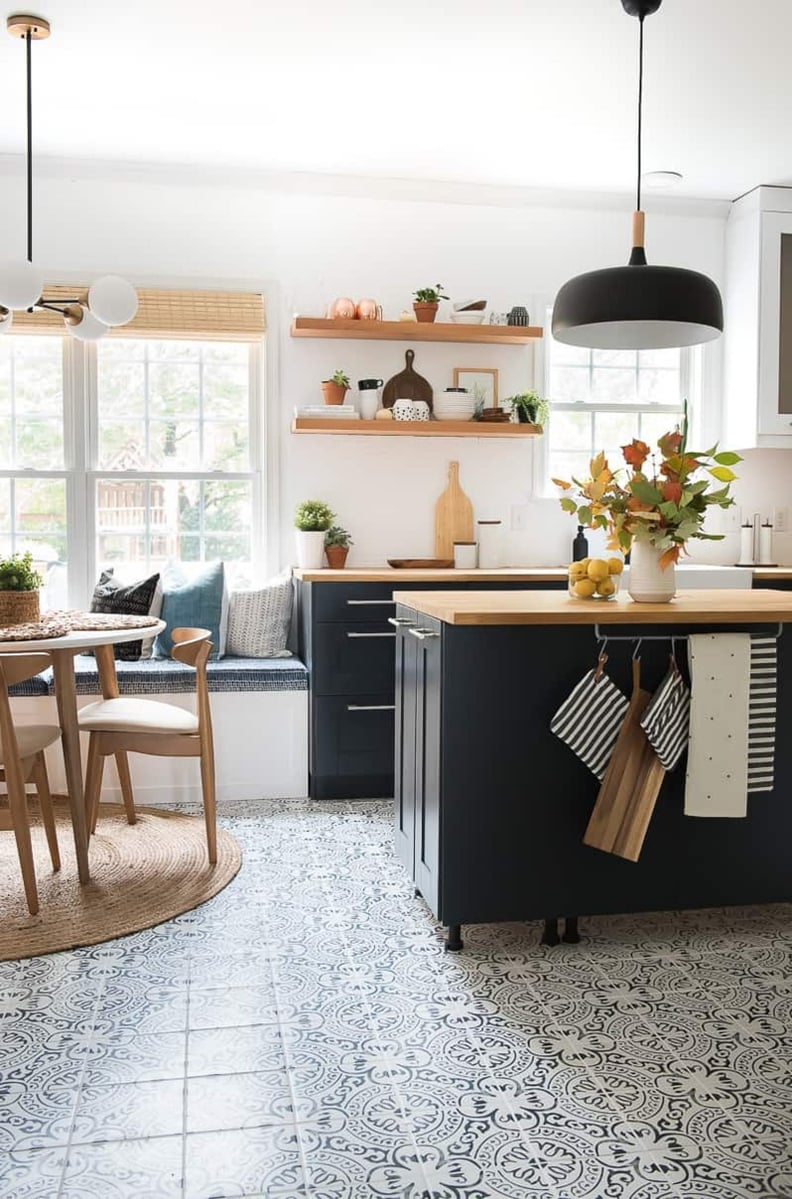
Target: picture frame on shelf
(482, 381)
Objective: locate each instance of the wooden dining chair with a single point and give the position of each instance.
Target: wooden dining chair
(146, 726)
(22, 761)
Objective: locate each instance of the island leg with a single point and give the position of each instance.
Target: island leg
(454, 938)
(571, 935)
(550, 934)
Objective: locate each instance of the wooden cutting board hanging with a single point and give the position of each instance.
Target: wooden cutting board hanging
(629, 787)
(407, 385)
(453, 516)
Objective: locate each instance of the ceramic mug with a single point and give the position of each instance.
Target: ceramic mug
(342, 309)
(420, 410)
(403, 410)
(368, 310)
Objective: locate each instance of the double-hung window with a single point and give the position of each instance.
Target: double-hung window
(601, 399)
(132, 451)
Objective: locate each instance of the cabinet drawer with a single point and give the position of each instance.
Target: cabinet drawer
(353, 659)
(353, 740)
(352, 601)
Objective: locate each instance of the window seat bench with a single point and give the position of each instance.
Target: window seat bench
(259, 716)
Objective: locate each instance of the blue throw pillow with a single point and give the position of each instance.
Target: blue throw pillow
(194, 598)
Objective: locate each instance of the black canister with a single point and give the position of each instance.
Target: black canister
(518, 316)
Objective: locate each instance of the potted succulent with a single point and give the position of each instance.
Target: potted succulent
(336, 543)
(529, 408)
(19, 589)
(311, 520)
(335, 388)
(427, 301)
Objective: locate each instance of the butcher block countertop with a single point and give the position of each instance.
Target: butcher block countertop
(556, 607)
(389, 574)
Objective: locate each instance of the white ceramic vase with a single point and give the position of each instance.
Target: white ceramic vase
(310, 549)
(649, 583)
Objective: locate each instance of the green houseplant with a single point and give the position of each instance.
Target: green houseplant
(337, 542)
(529, 408)
(335, 388)
(426, 302)
(312, 520)
(19, 589)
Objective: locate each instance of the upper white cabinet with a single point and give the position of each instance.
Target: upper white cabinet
(757, 353)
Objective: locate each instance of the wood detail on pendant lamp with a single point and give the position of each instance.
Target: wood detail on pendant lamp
(638, 306)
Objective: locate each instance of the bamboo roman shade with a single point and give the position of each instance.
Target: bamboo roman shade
(200, 315)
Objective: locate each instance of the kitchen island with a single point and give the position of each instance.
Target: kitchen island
(491, 807)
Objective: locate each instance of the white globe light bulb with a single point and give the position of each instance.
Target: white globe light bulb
(6, 321)
(21, 285)
(112, 300)
(87, 328)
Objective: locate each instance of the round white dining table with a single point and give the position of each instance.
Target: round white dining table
(62, 650)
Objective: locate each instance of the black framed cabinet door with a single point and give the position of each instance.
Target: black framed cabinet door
(404, 740)
(428, 749)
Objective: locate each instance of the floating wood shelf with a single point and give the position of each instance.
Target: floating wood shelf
(413, 428)
(506, 335)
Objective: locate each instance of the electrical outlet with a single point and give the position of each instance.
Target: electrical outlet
(520, 518)
(781, 520)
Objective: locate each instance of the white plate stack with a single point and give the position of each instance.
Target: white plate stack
(328, 412)
(453, 406)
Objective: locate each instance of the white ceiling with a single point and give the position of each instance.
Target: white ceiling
(526, 93)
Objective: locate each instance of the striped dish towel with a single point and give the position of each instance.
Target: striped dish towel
(590, 719)
(666, 720)
(762, 713)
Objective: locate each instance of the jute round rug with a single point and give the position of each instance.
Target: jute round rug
(141, 875)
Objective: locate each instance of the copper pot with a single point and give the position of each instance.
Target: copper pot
(368, 310)
(342, 309)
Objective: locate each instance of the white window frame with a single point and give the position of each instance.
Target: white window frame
(81, 473)
(691, 370)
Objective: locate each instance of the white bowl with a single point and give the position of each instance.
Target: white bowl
(467, 318)
(456, 408)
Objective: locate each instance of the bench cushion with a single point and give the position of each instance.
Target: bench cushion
(163, 676)
(38, 685)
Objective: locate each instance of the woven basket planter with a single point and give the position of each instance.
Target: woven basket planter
(18, 607)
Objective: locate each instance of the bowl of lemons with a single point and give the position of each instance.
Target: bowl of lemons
(595, 578)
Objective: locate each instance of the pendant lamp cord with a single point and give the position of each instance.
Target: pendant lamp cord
(28, 41)
(640, 107)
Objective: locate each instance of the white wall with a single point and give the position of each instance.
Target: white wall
(305, 249)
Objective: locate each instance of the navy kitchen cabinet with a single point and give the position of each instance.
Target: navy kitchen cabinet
(349, 645)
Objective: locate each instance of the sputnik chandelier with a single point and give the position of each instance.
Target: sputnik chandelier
(109, 301)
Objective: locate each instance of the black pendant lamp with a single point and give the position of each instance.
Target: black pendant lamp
(638, 307)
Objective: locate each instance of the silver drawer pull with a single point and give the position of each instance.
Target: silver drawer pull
(371, 634)
(423, 634)
(371, 707)
(399, 621)
(365, 603)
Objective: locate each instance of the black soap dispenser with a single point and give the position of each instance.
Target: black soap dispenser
(579, 545)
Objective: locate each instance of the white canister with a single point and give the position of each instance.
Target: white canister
(465, 555)
(489, 544)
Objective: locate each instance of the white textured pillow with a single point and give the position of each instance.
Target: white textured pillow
(258, 621)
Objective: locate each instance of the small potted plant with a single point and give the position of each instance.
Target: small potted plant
(312, 520)
(337, 542)
(529, 408)
(335, 388)
(427, 301)
(19, 589)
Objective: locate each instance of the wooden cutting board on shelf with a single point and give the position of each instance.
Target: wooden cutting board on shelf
(407, 385)
(453, 516)
(630, 786)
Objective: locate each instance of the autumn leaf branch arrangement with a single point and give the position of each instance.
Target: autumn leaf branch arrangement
(663, 500)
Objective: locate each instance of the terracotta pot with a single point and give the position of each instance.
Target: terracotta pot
(336, 556)
(333, 393)
(425, 312)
